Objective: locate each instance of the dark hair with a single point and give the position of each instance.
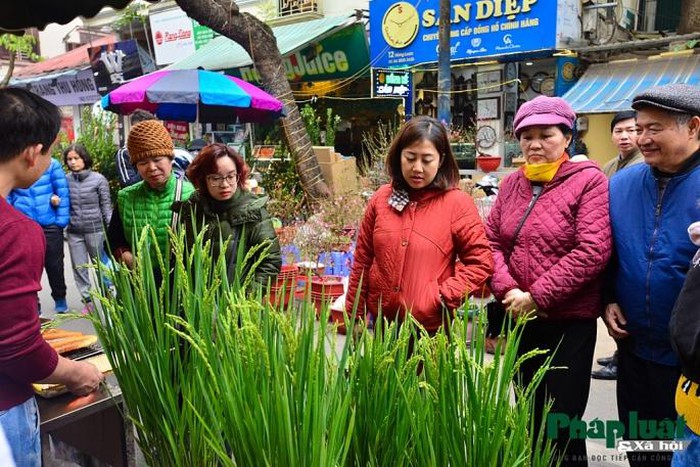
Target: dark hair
(620, 116)
(415, 130)
(80, 150)
(205, 164)
(26, 119)
(140, 115)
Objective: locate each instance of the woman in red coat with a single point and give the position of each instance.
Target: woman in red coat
(413, 232)
(551, 263)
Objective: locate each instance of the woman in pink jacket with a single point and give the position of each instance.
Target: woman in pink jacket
(550, 234)
(413, 232)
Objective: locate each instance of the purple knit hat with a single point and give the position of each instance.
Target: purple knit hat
(543, 110)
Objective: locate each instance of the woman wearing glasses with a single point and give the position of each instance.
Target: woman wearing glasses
(230, 212)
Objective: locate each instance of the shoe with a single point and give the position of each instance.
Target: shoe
(605, 361)
(87, 309)
(61, 305)
(607, 372)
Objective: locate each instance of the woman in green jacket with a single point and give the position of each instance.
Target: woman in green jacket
(230, 213)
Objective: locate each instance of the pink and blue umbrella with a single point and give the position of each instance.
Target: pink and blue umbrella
(194, 95)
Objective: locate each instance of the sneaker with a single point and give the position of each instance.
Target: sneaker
(607, 372)
(61, 305)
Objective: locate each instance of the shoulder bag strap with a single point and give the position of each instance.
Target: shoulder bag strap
(178, 197)
(536, 191)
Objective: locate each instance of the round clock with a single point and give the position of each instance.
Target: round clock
(400, 25)
(547, 86)
(536, 82)
(485, 137)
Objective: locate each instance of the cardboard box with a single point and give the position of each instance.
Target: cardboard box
(340, 176)
(326, 154)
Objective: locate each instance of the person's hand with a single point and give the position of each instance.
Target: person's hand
(55, 200)
(518, 302)
(128, 259)
(615, 321)
(84, 378)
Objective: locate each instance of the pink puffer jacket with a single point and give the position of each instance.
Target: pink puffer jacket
(562, 248)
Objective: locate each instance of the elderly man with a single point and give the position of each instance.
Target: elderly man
(624, 136)
(651, 206)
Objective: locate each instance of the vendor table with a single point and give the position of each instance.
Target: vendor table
(93, 424)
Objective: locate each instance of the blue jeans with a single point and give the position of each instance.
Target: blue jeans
(690, 456)
(21, 426)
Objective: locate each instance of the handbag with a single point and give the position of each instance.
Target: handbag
(495, 310)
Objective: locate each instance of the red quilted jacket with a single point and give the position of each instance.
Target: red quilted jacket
(562, 248)
(407, 259)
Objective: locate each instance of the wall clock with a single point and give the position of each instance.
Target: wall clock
(400, 25)
(485, 137)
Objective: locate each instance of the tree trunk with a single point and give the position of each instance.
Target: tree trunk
(444, 55)
(690, 17)
(10, 69)
(224, 17)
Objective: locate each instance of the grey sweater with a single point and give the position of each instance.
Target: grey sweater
(91, 206)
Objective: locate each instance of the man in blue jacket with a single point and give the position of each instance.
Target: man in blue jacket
(651, 206)
(47, 202)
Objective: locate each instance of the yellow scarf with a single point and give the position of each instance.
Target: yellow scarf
(544, 172)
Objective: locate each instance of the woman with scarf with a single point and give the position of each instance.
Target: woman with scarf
(90, 212)
(421, 247)
(551, 239)
(236, 220)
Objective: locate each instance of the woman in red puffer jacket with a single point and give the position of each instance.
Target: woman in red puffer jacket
(415, 230)
(552, 263)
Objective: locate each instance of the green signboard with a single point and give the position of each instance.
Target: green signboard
(202, 35)
(340, 55)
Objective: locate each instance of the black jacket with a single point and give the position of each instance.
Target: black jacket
(685, 324)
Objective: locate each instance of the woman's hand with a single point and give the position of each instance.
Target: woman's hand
(518, 302)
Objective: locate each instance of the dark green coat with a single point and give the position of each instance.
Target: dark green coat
(244, 218)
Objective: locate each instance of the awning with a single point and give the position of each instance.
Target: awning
(221, 53)
(610, 87)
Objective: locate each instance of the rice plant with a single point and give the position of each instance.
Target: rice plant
(214, 375)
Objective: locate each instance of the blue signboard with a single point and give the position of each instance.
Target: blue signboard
(405, 33)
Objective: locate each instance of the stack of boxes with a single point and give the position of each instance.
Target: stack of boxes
(339, 173)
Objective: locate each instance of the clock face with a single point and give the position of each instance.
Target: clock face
(485, 137)
(547, 86)
(400, 25)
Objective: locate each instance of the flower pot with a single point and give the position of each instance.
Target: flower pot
(338, 318)
(325, 290)
(283, 289)
(309, 269)
(488, 163)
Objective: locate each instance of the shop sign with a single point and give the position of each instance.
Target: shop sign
(175, 35)
(179, 131)
(391, 83)
(113, 64)
(69, 89)
(407, 31)
(340, 55)
(172, 33)
(569, 70)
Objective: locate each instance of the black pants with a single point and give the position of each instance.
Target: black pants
(649, 389)
(568, 387)
(53, 261)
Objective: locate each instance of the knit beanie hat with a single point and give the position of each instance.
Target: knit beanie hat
(543, 110)
(149, 139)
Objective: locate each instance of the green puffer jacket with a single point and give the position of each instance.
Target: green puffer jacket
(140, 205)
(245, 218)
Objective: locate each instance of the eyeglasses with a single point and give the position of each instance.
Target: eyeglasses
(219, 180)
